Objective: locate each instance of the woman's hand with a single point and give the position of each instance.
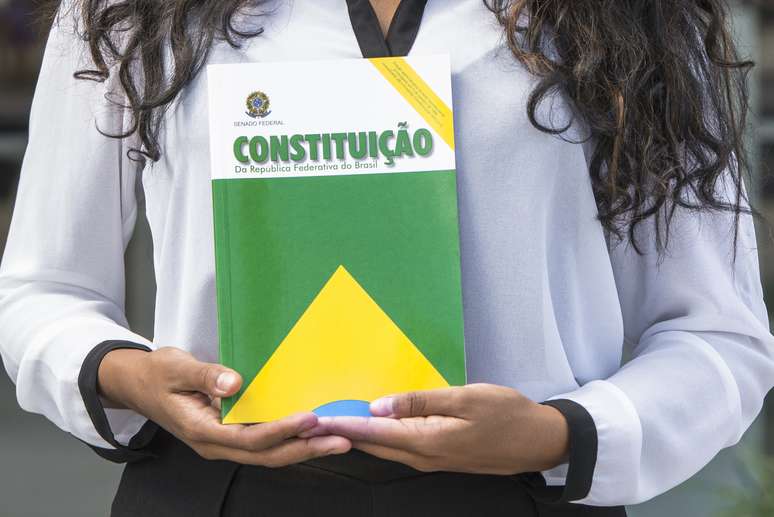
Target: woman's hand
(479, 428)
(182, 395)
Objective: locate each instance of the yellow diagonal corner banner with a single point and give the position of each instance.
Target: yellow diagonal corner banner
(419, 94)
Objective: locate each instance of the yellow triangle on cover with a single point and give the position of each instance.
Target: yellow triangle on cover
(343, 347)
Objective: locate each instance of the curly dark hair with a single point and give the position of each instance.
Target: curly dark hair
(658, 84)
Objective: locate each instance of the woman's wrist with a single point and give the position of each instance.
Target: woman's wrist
(120, 377)
(553, 438)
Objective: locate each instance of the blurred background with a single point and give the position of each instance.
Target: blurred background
(44, 472)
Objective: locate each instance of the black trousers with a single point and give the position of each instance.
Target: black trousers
(177, 482)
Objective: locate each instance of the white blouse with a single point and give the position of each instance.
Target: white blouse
(549, 304)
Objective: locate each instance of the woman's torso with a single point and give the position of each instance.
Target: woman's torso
(532, 250)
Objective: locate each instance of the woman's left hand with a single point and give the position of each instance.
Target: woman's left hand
(479, 428)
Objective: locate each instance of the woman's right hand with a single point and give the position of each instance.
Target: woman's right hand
(182, 395)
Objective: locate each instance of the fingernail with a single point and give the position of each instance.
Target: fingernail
(225, 381)
(333, 445)
(340, 448)
(382, 406)
(307, 424)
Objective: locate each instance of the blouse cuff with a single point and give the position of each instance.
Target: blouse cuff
(87, 384)
(601, 478)
(582, 450)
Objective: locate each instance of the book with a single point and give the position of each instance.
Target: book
(336, 232)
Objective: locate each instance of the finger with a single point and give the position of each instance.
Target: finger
(400, 434)
(317, 430)
(411, 459)
(286, 453)
(253, 437)
(213, 379)
(445, 402)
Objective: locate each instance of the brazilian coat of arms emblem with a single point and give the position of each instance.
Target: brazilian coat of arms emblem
(258, 105)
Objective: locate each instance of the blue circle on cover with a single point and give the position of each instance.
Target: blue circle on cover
(257, 103)
(344, 408)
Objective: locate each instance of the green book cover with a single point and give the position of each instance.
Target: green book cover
(336, 234)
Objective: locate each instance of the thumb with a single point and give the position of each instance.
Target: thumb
(213, 379)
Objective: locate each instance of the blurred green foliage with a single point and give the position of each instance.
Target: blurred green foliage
(755, 498)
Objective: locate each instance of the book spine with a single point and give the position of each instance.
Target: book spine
(223, 280)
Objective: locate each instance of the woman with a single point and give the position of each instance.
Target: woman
(602, 208)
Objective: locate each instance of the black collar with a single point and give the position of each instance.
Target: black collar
(400, 36)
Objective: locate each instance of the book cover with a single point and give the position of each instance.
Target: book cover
(336, 234)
